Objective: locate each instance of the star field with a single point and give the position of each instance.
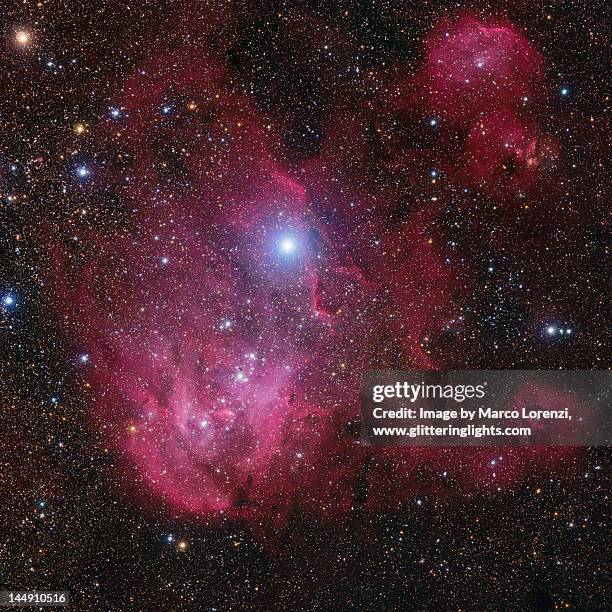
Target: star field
(214, 217)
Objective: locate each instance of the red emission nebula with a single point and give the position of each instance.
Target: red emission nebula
(225, 333)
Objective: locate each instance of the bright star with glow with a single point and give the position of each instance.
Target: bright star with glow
(287, 245)
(22, 37)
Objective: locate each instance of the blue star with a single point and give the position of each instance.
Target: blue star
(288, 245)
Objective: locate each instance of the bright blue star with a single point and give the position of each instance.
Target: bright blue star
(287, 245)
(8, 300)
(557, 332)
(82, 171)
(565, 91)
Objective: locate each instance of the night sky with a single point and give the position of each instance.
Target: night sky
(214, 217)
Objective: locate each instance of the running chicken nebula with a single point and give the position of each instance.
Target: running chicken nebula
(225, 330)
(472, 67)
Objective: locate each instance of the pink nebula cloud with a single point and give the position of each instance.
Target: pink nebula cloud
(473, 66)
(228, 332)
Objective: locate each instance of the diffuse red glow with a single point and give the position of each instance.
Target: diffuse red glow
(225, 361)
